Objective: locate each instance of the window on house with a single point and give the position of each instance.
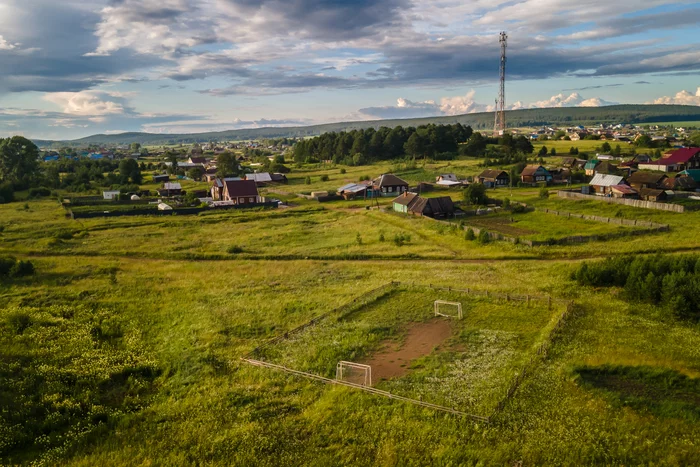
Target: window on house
(252, 200)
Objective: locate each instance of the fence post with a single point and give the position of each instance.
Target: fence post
(528, 300)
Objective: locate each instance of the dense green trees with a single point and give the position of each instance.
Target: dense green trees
(672, 282)
(129, 171)
(360, 147)
(19, 161)
(227, 165)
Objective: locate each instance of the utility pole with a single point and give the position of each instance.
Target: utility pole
(500, 121)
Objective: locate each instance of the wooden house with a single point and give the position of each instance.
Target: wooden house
(170, 189)
(601, 183)
(641, 180)
(389, 184)
(623, 191)
(650, 194)
(533, 174)
(492, 178)
(240, 192)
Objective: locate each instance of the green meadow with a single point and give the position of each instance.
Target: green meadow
(125, 345)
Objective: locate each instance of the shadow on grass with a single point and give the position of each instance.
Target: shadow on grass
(659, 391)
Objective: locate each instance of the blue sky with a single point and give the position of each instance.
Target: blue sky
(80, 67)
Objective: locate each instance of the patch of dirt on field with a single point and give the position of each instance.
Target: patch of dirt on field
(393, 359)
(501, 225)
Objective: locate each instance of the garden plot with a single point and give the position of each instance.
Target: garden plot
(466, 364)
(539, 226)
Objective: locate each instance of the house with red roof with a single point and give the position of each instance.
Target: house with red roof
(675, 161)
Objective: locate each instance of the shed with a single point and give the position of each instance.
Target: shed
(623, 191)
(112, 194)
(402, 203)
(649, 194)
(601, 183)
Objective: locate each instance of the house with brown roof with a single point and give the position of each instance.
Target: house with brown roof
(240, 192)
(437, 208)
(679, 184)
(493, 178)
(535, 174)
(623, 191)
(389, 184)
(649, 194)
(641, 180)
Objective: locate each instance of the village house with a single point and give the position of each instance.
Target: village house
(601, 183)
(389, 184)
(354, 191)
(533, 174)
(240, 192)
(492, 178)
(170, 189)
(692, 173)
(161, 178)
(623, 191)
(675, 161)
(679, 184)
(650, 194)
(642, 180)
(447, 180)
(437, 208)
(197, 160)
(590, 167)
(260, 179)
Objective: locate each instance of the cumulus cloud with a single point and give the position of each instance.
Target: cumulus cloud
(572, 100)
(681, 98)
(88, 103)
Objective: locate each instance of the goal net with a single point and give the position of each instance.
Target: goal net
(355, 373)
(448, 309)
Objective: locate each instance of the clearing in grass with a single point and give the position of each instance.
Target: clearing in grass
(397, 343)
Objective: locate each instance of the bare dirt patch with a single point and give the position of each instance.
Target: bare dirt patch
(394, 358)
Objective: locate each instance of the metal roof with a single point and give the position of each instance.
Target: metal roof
(606, 180)
(259, 177)
(172, 186)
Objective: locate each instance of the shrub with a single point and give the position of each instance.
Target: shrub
(235, 249)
(358, 238)
(469, 235)
(7, 193)
(39, 192)
(381, 237)
(506, 203)
(544, 192)
(19, 322)
(324, 178)
(400, 239)
(342, 171)
(517, 208)
(483, 237)
(22, 268)
(307, 180)
(64, 235)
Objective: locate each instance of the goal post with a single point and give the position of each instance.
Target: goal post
(355, 373)
(442, 308)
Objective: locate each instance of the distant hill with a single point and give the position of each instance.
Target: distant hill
(637, 114)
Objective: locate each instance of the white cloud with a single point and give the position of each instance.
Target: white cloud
(5, 45)
(88, 103)
(572, 100)
(682, 98)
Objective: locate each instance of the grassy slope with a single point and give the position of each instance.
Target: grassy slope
(197, 317)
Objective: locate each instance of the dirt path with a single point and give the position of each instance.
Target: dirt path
(393, 359)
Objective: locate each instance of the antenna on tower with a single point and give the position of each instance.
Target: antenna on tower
(499, 127)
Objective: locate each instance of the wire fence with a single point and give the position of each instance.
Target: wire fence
(373, 295)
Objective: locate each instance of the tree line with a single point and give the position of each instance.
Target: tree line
(365, 146)
(672, 282)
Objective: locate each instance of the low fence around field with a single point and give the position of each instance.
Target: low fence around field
(648, 228)
(541, 352)
(156, 212)
(637, 203)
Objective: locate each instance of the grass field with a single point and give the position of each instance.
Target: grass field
(125, 346)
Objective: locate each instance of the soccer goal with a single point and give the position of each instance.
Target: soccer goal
(448, 309)
(356, 373)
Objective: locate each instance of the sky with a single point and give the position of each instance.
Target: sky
(79, 67)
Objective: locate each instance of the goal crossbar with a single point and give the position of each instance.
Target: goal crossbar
(343, 365)
(437, 303)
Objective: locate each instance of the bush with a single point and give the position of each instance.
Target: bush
(544, 192)
(483, 237)
(381, 237)
(307, 180)
(358, 238)
(324, 178)
(235, 249)
(401, 239)
(7, 193)
(19, 322)
(469, 235)
(39, 192)
(10, 267)
(506, 203)
(517, 208)
(343, 171)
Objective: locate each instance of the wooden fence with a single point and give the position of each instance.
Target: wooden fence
(637, 203)
(541, 353)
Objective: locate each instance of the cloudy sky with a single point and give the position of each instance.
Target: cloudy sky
(78, 67)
